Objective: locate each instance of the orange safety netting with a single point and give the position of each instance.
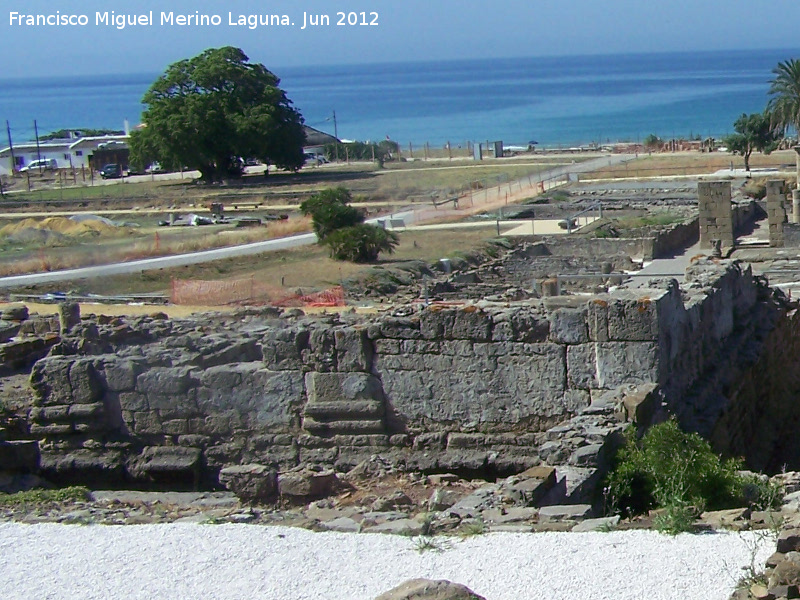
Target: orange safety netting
(197, 292)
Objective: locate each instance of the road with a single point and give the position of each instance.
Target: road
(165, 262)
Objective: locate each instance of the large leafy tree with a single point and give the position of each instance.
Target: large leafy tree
(210, 111)
(784, 103)
(754, 133)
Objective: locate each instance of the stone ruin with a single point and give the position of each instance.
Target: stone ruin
(482, 389)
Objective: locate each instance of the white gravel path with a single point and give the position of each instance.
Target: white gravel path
(247, 562)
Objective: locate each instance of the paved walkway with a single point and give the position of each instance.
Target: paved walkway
(674, 266)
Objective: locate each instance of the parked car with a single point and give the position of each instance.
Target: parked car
(45, 164)
(111, 171)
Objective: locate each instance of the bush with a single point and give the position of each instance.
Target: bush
(361, 243)
(330, 210)
(672, 469)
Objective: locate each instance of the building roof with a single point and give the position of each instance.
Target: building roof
(67, 144)
(315, 137)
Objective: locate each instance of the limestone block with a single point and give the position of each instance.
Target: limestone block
(47, 414)
(404, 328)
(132, 401)
(342, 387)
(519, 325)
(632, 319)
(167, 463)
(282, 348)
(582, 366)
(85, 382)
(569, 326)
(164, 380)
(230, 352)
(307, 484)
(353, 349)
(250, 483)
(388, 346)
(597, 319)
(120, 374)
(619, 363)
(262, 398)
(50, 380)
(320, 354)
(465, 440)
(467, 323)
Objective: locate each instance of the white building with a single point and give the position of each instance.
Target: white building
(68, 153)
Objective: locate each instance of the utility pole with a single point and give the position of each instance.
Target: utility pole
(38, 152)
(11, 147)
(336, 135)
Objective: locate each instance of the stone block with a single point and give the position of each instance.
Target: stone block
(353, 409)
(569, 326)
(467, 323)
(520, 325)
(164, 380)
(307, 484)
(177, 464)
(120, 375)
(353, 349)
(342, 387)
(48, 414)
(633, 320)
(597, 319)
(564, 512)
(262, 398)
(282, 348)
(250, 483)
(582, 366)
(619, 363)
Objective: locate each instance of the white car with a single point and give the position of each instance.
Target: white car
(44, 164)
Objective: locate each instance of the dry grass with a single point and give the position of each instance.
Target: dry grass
(307, 267)
(692, 163)
(146, 244)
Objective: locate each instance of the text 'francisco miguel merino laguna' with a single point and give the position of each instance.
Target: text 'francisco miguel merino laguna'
(112, 19)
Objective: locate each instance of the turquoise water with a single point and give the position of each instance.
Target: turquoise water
(555, 101)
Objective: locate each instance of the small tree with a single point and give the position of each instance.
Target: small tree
(361, 243)
(754, 132)
(652, 142)
(330, 210)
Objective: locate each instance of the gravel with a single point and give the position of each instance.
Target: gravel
(232, 562)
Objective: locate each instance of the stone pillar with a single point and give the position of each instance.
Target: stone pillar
(69, 315)
(795, 206)
(716, 214)
(776, 212)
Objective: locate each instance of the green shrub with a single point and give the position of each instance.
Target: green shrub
(361, 243)
(330, 210)
(39, 496)
(670, 468)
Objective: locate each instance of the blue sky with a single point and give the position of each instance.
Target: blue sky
(407, 30)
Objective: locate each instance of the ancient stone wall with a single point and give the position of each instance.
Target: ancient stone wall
(716, 220)
(776, 212)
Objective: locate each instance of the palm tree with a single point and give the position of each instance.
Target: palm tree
(785, 102)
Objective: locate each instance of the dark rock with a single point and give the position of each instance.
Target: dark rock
(250, 483)
(307, 484)
(427, 589)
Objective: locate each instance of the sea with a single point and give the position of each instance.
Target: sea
(554, 101)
